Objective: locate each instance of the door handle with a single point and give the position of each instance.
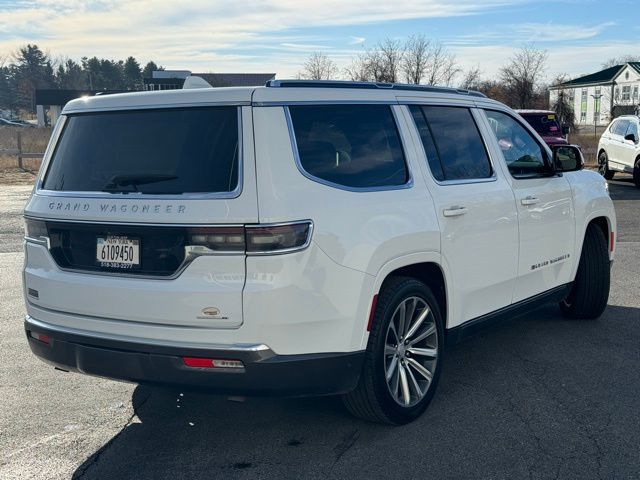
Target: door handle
(454, 211)
(529, 200)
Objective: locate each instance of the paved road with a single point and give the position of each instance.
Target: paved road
(540, 397)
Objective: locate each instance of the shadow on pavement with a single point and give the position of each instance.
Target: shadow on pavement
(537, 397)
(623, 188)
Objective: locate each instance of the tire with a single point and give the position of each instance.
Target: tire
(603, 166)
(636, 173)
(385, 401)
(590, 291)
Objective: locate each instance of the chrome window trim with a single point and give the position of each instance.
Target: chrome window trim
(235, 193)
(286, 103)
(296, 155)
(466, 181)
(51, 146)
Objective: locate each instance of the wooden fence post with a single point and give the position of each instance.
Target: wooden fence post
(20, 165)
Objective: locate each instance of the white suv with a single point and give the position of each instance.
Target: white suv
(302, 238)
(619, 148)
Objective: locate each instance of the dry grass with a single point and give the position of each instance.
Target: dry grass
(589, 144)
(34, 140)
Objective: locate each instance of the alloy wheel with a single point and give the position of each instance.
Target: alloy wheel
(411, 351)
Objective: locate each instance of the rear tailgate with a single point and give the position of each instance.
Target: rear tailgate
(128, 212)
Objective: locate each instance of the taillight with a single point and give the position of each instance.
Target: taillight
(35, 229)
(284, 238)
(218, 239)
(252, 239)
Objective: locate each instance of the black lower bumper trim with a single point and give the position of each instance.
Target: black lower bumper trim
(264, 373)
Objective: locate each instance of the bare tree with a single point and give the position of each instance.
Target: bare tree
(417, 54)
(561, 104)
(415, 61)
(358, 70)
(319, 67)
(472, 78)
(522, 76)
(443, 68)
(381, 63)
(612, 62)
(389, 58)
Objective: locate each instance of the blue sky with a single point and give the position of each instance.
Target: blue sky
(278, 35)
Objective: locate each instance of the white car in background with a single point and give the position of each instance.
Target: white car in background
(619, 148)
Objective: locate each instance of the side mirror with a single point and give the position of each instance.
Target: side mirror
(631, 137)
(567, 158)
(565, 129)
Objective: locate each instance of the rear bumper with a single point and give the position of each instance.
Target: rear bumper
(264, 372)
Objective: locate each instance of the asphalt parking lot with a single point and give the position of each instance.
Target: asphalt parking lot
(538, 397)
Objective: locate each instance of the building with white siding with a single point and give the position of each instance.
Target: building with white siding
(599, 97)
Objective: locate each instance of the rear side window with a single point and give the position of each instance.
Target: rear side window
(620, 127)
(452, 143)
(356, 146)
(168, 151)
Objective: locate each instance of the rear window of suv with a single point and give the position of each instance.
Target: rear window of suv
(166, 151)
(356, 146)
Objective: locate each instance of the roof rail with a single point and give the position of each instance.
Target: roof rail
(370, 86)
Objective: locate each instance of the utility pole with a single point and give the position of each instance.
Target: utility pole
(596, 101)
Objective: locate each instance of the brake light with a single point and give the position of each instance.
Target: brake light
(35, 229)
(252, 239)
(218, 239)
(283, 238)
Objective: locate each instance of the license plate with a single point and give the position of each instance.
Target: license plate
(114, 251)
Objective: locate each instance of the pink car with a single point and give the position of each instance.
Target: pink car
(545, 122)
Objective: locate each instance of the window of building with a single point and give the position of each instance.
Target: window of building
(626, 93)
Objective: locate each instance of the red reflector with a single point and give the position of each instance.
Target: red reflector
(40, 337)
(613, 241)
(374, 302)
(198, 362)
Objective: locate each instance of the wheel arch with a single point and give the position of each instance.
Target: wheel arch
(427, 267)
(607, 225)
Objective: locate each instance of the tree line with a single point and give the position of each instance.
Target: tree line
(419, 60)
(30, 68)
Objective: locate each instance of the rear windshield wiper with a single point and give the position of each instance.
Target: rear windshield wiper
(116, 182)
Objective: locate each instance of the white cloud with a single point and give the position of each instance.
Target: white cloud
(199, 32)
(553, 32)
(356, 40)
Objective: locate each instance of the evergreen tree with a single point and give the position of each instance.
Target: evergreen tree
(149, 68)
(132, 74)
(31, 69)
